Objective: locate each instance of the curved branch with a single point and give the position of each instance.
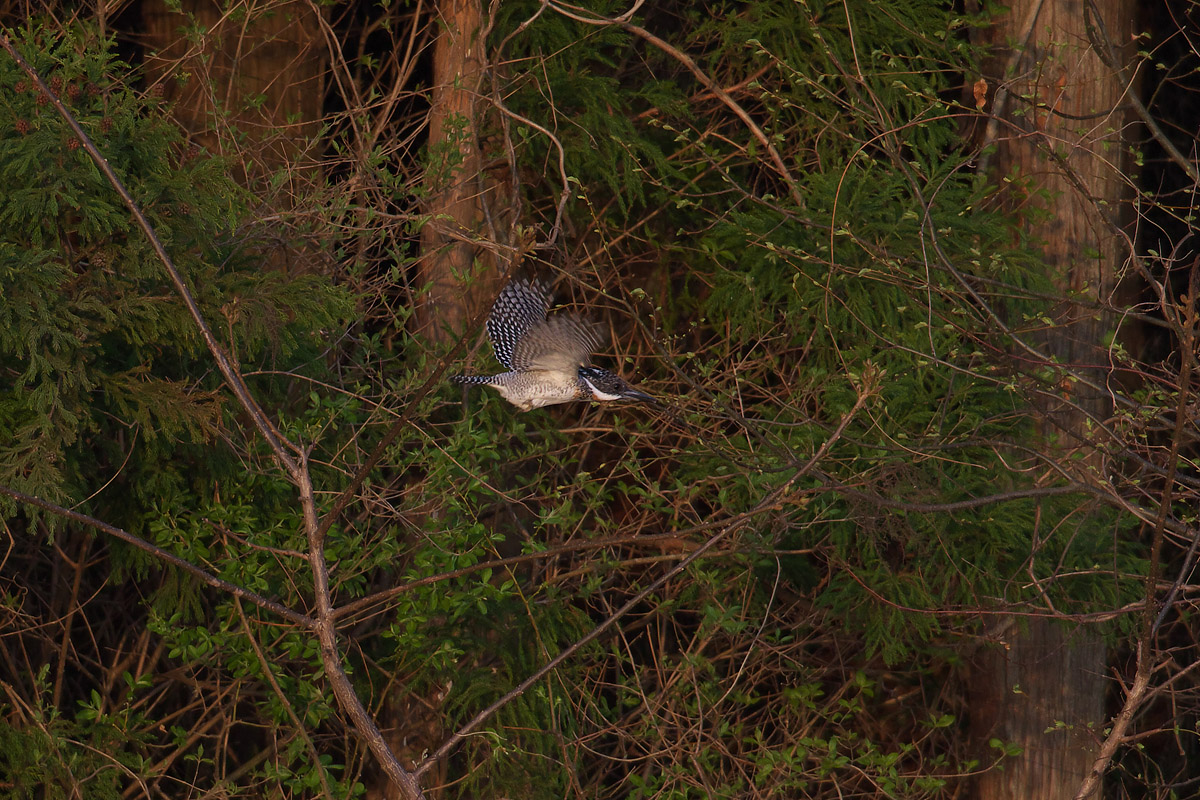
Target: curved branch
(295, 465)
(1103, 46)
(705, 81)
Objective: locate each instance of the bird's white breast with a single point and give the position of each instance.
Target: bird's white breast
(537, 388)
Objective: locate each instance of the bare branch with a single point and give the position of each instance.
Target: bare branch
(297, 469)
(162, 555)
(868, 388)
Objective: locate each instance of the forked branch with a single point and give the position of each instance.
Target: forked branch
(290, 457)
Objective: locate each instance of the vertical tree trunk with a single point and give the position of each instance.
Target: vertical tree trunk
(458, 192)
(1062, 126)
(455, 179)
(258, 68)
(1041, 689)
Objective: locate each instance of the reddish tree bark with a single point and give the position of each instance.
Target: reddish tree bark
(456, 179)
(259, 69)
(1057, 87)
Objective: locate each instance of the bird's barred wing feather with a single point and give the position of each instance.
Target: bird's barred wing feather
(562, 343)
(520, 306)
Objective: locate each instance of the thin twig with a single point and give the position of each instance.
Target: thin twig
(1151, 621)
(771, 500)
(708, 83)
(162, 555)
(265, 664)
(296, 466)
(1097, 33)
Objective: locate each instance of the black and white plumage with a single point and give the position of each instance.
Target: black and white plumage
(549, 358)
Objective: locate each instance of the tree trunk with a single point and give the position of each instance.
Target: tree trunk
(1060, 127)
(456, 180)
(250, 84)
(263, 70)
(1041, 689)
(464, 209)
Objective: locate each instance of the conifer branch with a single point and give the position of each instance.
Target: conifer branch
(324, 624)
(279, 444)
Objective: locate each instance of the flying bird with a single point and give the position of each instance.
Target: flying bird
(548, 358)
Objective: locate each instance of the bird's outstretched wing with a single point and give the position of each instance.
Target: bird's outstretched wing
(562, 343)
(521, 305)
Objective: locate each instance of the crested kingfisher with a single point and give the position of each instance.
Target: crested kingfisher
(548, 358)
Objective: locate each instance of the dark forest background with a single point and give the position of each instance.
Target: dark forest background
(915, 281)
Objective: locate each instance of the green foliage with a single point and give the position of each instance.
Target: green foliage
(50, 754)
(110, 402)
(882, 256)
(101, 359)
(810, 653)
(848, 280)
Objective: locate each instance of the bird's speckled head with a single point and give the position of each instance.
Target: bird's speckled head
(604, 385)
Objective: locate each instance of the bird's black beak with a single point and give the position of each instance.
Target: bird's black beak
(634, 394)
